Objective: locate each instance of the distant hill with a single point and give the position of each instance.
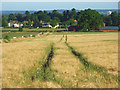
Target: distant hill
(101, 11)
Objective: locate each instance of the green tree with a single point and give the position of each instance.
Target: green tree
(20, 29)
(57, 19)
(114, 18)
(66, 24)
(55, 14)
(36, 20)
(72, 22)
(73, 14)
(66, 15)
(45, 12)
(89, 19)
(108, 20)
(44, 17)
(29, 23)
(28, 15)
(53, 22)
(11, 17)
(19, 17)
(4, 21)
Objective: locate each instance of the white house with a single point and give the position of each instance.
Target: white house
(46, 25)
(15, 24)
(109, 13)
(56, 26)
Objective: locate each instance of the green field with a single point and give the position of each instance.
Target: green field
(18, 34)
(33, 29)
(61, 33)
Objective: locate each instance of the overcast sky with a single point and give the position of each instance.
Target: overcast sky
(60, 0)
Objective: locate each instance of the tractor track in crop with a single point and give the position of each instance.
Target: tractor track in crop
(61, 38)
(46, 73)
(91, 66)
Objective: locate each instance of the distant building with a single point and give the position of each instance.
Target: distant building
(104, 24)
(46, 25)
(109, 28)
(75, 21)
(1, 27)
(15, 24)
(56, 26)
(73, 28)
(26, 22)
(109, 13)
(42, 22)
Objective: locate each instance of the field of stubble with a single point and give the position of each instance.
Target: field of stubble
(62, 61)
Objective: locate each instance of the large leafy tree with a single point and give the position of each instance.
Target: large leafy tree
(36, 20)
(29, 23)
(44, 17)
(89, 19)
(73, 14)
(11, 17)
(54, 21)
(54, 13)
(27, 15)
(108, 20)
(66, 15)
(19, 17)
(114, 18)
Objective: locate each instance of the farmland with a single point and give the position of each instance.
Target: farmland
(33, 29)
(62, 60)
(18, 34)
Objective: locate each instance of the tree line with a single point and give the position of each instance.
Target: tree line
(86, 19)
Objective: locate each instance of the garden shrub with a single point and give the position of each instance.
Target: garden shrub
(20, 29)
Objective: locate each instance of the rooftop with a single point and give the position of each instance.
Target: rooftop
(110, 28)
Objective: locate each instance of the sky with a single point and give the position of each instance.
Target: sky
(57, 5)
(60, 0)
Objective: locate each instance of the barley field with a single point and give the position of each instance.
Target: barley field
(62, 60)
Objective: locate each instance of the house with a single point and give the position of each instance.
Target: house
(75, 21)
(10, 24)
(56, 26)
(42, 22)
(26, 22)
(46, 25)
(15, 24)
(109, 13)
(109, 28)
(104, 24)
(1, 27)
(73, 28)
